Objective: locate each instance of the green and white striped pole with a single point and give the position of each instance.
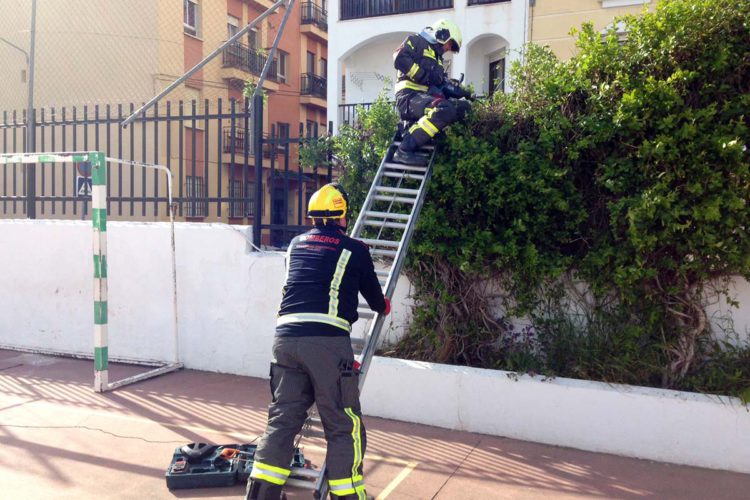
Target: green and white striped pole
(99, 218)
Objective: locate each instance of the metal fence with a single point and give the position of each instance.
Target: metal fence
(348, 112)
(209, 147)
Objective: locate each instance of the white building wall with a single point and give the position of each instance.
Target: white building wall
(370, 43)
(370, 72)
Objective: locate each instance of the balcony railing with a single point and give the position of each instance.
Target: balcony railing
(313, 85)
(234, 141)
(357, 9)
(313, 14)
(248, 59)
(485, 2)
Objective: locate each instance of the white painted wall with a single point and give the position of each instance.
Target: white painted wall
(366, 68)
(351, 41)
(227, 296)
(227, 305)
(480, 54)
(655, 424)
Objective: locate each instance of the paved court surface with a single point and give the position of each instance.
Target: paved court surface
(60, 440)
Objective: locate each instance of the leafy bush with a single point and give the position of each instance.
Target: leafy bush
(359, 148)
(625, 168)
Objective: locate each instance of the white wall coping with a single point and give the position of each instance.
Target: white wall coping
(657, 424)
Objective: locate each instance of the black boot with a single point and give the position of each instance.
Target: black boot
(261, 490)
(406, 152)
(353, 496)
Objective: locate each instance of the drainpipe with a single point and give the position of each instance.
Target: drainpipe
(530, 20)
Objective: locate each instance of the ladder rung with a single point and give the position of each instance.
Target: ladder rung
(387, 253)
(383, 273)
(358, 342)
(381, 243)
(401, 166)
(428, 147)
(382, 223)
(404, 176)
(387, 215)
(383, 189)
(300, 483)
(304, 472)
(368, 314)
(314, 421)
(397, 199)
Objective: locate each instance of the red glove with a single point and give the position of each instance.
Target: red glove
(387, 306)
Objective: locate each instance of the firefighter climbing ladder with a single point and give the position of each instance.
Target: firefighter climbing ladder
(386, 223)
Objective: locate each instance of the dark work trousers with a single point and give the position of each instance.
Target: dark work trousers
(429, 115)
(318, 370)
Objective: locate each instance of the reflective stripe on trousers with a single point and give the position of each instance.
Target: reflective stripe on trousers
(270, 473)
(348, 486)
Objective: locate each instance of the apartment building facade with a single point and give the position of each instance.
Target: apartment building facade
(550, 21)
(98, 57)
(365, 35)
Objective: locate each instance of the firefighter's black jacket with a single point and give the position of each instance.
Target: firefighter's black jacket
(326, 270)
(419, 64)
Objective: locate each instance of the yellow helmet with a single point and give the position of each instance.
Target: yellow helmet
(328, 202)
(446, 30)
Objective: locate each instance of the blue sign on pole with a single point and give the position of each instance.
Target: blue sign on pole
(83, 186)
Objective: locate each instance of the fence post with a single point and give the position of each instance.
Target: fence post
(257, 123)
(31, 124)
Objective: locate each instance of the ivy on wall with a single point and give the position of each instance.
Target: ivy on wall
(615, 185)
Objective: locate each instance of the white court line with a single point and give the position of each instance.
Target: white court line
(392, 485)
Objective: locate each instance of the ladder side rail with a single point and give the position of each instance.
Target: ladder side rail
(371, 341)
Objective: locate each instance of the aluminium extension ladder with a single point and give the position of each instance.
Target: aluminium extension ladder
(386, 223)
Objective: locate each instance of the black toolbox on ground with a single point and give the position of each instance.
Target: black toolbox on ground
(201, 465)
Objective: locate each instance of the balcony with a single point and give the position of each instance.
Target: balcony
(358, 9)
(234, 141)
(234, 144)
(238, 56)
(314, 15)
(485, 2)
(313, 90)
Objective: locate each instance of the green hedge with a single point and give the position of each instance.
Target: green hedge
(625, 168)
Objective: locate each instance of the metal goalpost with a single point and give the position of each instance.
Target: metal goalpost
(98, 163)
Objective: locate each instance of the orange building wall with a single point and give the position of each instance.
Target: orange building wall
(193, 55)
(284, 106)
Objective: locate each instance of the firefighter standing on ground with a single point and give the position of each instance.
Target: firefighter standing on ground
(313, 358)
(424, 95)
